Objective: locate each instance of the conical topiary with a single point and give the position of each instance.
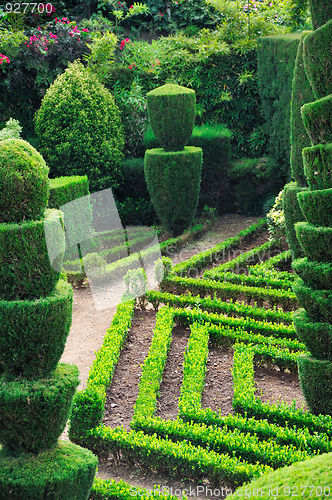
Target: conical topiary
(314, 286)
(35, 317)
(173, 174)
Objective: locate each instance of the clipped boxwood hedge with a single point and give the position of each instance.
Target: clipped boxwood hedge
(64, 472)
(316, 206)
(29, 324)
(316, 383)
(315, 241)
(317, 162)
(316, 274)
(31, 257)
(33, 413)
(293, 214)
(66, 189)
(317, 303)
(316, 336)
(317, 119)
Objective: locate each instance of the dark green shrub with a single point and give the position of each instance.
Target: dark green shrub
(301, 94)
(317, 119)
(276, 61)
(293, 214)
(171, 110)
(66, 189)
(317, 303)
(316, 336)
(23, 182)
(321, 12)
(316, 383)
(64, 472)
(33, 413)
(173, 180)
(316, 206)
(317, 274)
(315, 241)
(31, 257)
(86, 413)
(27, 321)
(317, 59)
(79, 129)
(317, 166)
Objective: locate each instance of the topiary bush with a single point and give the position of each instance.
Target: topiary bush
(23, 182)
(79, 129)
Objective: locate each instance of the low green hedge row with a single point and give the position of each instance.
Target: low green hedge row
(316, 336)
(224, 291)
(109, 489)
(316, 274)
(66, 189)
(218, 252)
(222, 440)
(231, 308)
(249, 280)
(244, 401)
(88, 405)
(174, 458)
(250, 258)
(280, 263)
(317, 303)
(315, 241)
(185, 317)
(154, 365)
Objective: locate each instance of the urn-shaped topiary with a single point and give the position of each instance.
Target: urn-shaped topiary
(171, 110)
(24, 185)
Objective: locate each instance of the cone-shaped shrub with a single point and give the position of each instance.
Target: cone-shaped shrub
(314, 290)
(35, 393)
(173, 174)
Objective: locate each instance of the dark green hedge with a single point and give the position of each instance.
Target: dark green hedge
(317, 59)
(28, 325)
(317, 303)
(276, 61)
(173, 180)
(301, 94)
(316, 383)
(321, 12)
(33, 413)
(316, 336)
(315, 241)
(317, 162)
(65, 472)
(293, 214)
(66, 189)
(171, 110)
(316, 274)
(317, 119)
(215, 143)
(31, 257)
(316, 206)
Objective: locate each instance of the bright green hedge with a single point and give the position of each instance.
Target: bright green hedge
(293, 214)
(316, 336)
(29, 324)
(64, 472)
(316, 383)
(173, 181)
(66, 189)
(317, 162)
(315, 241)
(316, 274)
(33, 413)
(316, 206)
(31, 257)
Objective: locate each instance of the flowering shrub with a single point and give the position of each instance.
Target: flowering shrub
(4, 59)
(276, 220)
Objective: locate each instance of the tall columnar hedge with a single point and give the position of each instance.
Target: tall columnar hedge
(35, 316)
(314, 286)
(173, 174)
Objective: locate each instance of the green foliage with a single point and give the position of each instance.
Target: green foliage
(66, 189)
(317, 206)
(316, 383)
(173, 180)
(276, 61)
(136, 286)
(23, 182)
(317, 274)
(321, 12)
(27, 321)
(317, 303)
(109, 489)
(317, 166)
(316, 336)
(162, 269)
(12, 130)
(34, 413)
(171, 110)
(276, 220)
(301, 94)
(101, 56)
(317, 118)
(65, 471)
(79, 129)
(31, 256)
(292, 214)
(315, 241)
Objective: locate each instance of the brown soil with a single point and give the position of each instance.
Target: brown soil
(86, 337)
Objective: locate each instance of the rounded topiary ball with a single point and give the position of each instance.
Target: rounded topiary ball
(172, 110)
(24, 185)
(79, 129)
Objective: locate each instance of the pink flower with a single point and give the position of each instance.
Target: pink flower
(130, 66)
(131, 7)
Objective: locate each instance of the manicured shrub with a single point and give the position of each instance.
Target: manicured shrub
(317, 162)
(66, 189)
(173, 180)
(316, 336)
(316, 206)
(316, 241)
(65, 471)
(171, 110)
(21, 246)
(317, 274)
(79, 129)
(317, 303)
(317, 118)
(27, 321)
(33, 413)
(293, 214)
(23, 182)
(321, 12)
(316, 383)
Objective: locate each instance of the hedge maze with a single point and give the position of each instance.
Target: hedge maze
(250, 312)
